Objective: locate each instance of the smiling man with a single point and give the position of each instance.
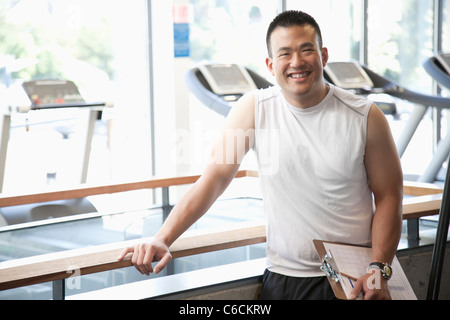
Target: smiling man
(296, 59)
(332, 155)
(332, 145)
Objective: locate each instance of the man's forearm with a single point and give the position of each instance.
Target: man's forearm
(195, 203)
(386, 229)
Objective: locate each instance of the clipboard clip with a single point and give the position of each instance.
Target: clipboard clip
(329, 267)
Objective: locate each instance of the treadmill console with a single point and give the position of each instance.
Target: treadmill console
(444, 60)
(348, 75)
(42, 92)
(227, 79)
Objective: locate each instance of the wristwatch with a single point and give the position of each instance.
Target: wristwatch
(385, 269)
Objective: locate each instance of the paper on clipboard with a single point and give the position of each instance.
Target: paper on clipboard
(353, 260)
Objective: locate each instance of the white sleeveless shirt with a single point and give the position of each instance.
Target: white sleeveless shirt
(312, 174)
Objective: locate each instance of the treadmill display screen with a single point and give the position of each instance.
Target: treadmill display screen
(348, 75)
(43, 92)
(227, 78)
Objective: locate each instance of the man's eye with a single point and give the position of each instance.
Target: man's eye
(308, 51)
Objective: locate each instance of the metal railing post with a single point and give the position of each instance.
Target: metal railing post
(59, 289)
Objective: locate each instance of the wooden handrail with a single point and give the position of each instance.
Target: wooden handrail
(416, 207)
(426, 200)
(84, 191)
(410, 188)
(57, 266)
(413, 188)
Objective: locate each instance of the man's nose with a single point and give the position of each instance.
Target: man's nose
(297, 60)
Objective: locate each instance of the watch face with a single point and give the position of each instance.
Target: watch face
(384, 268)
(387, 271)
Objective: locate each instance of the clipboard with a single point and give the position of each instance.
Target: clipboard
(341, 262)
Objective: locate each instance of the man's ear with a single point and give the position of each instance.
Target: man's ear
(269, 64)
(324, 52)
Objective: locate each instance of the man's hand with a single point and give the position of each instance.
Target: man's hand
(372, 286)
(145, 253)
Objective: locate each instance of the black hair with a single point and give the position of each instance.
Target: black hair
(292, 18)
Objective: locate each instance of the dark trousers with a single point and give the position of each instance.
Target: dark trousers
(279, 287)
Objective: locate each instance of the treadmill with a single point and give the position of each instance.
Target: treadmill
(45, 95)
(218, 86)
(362, 80)
(351, 76)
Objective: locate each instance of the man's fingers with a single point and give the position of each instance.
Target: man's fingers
(143, 256)
(135, 259)
(139, 255)
(356, 290)
(163, 262)
(124, 252)
(147, 258)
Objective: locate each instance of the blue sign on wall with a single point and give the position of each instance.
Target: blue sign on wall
(181, 40)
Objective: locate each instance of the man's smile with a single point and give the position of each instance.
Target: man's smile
(299, 75)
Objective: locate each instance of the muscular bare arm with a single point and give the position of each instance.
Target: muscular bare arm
(386, 182)
(226, 156)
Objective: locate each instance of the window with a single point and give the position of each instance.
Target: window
(400, 40)
(446, 27)
(103, 47)
(231, 31)
(340, 23)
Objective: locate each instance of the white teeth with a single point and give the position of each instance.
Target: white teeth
(299, 75)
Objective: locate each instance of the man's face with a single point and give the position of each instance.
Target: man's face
(297, 63)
